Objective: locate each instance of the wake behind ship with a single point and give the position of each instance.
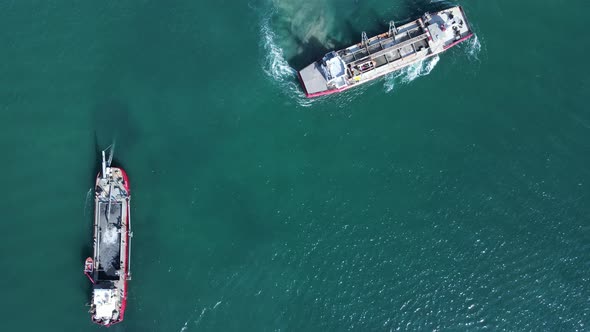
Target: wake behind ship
(385, 53)
(108, 269)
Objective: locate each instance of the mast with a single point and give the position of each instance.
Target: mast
(104, 176)
(392, 29)
(110, 201)
(104, 166)
(365, 41)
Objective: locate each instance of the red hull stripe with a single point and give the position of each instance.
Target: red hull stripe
(124, 304)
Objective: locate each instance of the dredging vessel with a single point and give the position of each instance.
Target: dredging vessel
(393, 50)
(109, 268)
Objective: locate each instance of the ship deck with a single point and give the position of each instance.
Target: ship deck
(109, 228)
(382, 47)
(312, 79)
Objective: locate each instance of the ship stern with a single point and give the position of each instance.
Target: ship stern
(313, 81)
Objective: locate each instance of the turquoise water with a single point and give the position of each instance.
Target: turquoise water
(450, 196)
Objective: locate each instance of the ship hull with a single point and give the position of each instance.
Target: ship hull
(385, 53)
(112, 231)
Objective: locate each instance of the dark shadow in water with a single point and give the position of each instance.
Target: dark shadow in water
(113, 123)
(97, 160)
(418, 7)
(313, 49)
(353, 33)
(382, 22)
(85, 252)
(118, 163)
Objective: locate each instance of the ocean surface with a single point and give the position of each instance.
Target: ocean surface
(454, 195)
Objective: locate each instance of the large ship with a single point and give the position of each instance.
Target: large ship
(395, 49)
(108, 269)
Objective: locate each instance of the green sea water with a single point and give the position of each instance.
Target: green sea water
(451, 196)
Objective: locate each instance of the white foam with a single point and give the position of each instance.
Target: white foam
(198, 319)
(277, 68)
(421, 68)
(200, 316)
(275, 64)
(110, 236)
(87, 201)
(473, 48)
(410, 73)
(184, 327)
